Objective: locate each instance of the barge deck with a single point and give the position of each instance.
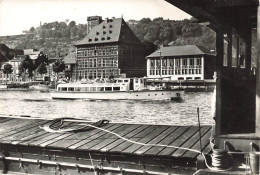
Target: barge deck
(27, 148)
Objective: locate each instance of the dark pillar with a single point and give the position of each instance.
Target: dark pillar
(258, 75)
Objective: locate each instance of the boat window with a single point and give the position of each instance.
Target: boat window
(77, 88)
(136, 80)
(120, 81)
(70, 88)
(125, 81)
(64, 89)
(142, 81)
(116, 88)
(92, 88)
(100, 88)
(59, 89)
(108, 88)
(85, 89)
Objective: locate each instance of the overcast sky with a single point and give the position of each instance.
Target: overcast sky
(19, 15)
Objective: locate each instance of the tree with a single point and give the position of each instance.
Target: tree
(32, 29)
(72, 24)
(42, 69)
(57, 67)
(7, 70)
(27, 65)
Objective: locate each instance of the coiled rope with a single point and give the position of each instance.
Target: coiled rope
(217, 159)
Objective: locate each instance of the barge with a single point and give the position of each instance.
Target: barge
(107, 148)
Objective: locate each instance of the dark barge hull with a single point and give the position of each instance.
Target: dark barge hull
(26, 148)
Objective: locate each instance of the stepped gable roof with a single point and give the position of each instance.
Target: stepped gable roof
(180, 51)
(70, 58)
(110, 30)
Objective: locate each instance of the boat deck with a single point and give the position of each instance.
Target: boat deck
(22, 138)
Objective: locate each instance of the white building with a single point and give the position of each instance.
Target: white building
(189, 62)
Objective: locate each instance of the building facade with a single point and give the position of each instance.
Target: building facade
(188, 62)
(110, 50)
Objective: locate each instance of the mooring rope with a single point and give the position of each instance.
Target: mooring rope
(216, 160)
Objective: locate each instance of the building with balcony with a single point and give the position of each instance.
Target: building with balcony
(189, 62)
(111, 49)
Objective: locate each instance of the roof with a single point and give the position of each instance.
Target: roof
(179, 51)
(70, 58)
(110, 30)
(31, 52)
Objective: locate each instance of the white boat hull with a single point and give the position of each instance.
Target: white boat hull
(121, 95)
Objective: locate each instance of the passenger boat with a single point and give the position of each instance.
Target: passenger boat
(119, 89)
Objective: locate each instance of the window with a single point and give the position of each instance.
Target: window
(125, 81)
(77, 88)
(64, 89)
(108, 88)
(116, 88)
(92, 89)
(70, 88)
(234, 50)
(100, 88)
(85, 89)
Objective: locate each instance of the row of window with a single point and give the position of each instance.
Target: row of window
(175, 62)
(93, 62)
(176, 72)
(89, 89)
(93, 73)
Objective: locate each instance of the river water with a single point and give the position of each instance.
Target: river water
(40, 105)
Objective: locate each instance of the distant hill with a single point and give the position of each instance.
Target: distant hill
(57, 38)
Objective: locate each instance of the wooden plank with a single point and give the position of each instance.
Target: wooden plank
(179, 141)
(193, 140)
(20, 128)
(80, 144)
(4, 119)
(153, 134)
(169, 139)
(129, 135)
(109, 138)
(156, 140)
(75, 138)
(96, 139)
(204, 143)
(136, 137)
(19, 135)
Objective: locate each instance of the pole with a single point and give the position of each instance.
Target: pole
(198, 111)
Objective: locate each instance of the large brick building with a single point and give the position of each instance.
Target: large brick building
(111, 49)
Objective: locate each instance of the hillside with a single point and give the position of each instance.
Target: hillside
(57, 38)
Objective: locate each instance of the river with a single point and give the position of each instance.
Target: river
(40, 105)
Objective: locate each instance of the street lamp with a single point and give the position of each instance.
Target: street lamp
(160, 52)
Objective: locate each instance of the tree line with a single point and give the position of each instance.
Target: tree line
(28, 67)
(57, 38)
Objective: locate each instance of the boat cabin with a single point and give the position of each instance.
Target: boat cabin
(120, 84)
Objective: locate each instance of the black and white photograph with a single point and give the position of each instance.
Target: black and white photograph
(129, 87)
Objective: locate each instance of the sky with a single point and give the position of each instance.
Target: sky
(19, 15)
